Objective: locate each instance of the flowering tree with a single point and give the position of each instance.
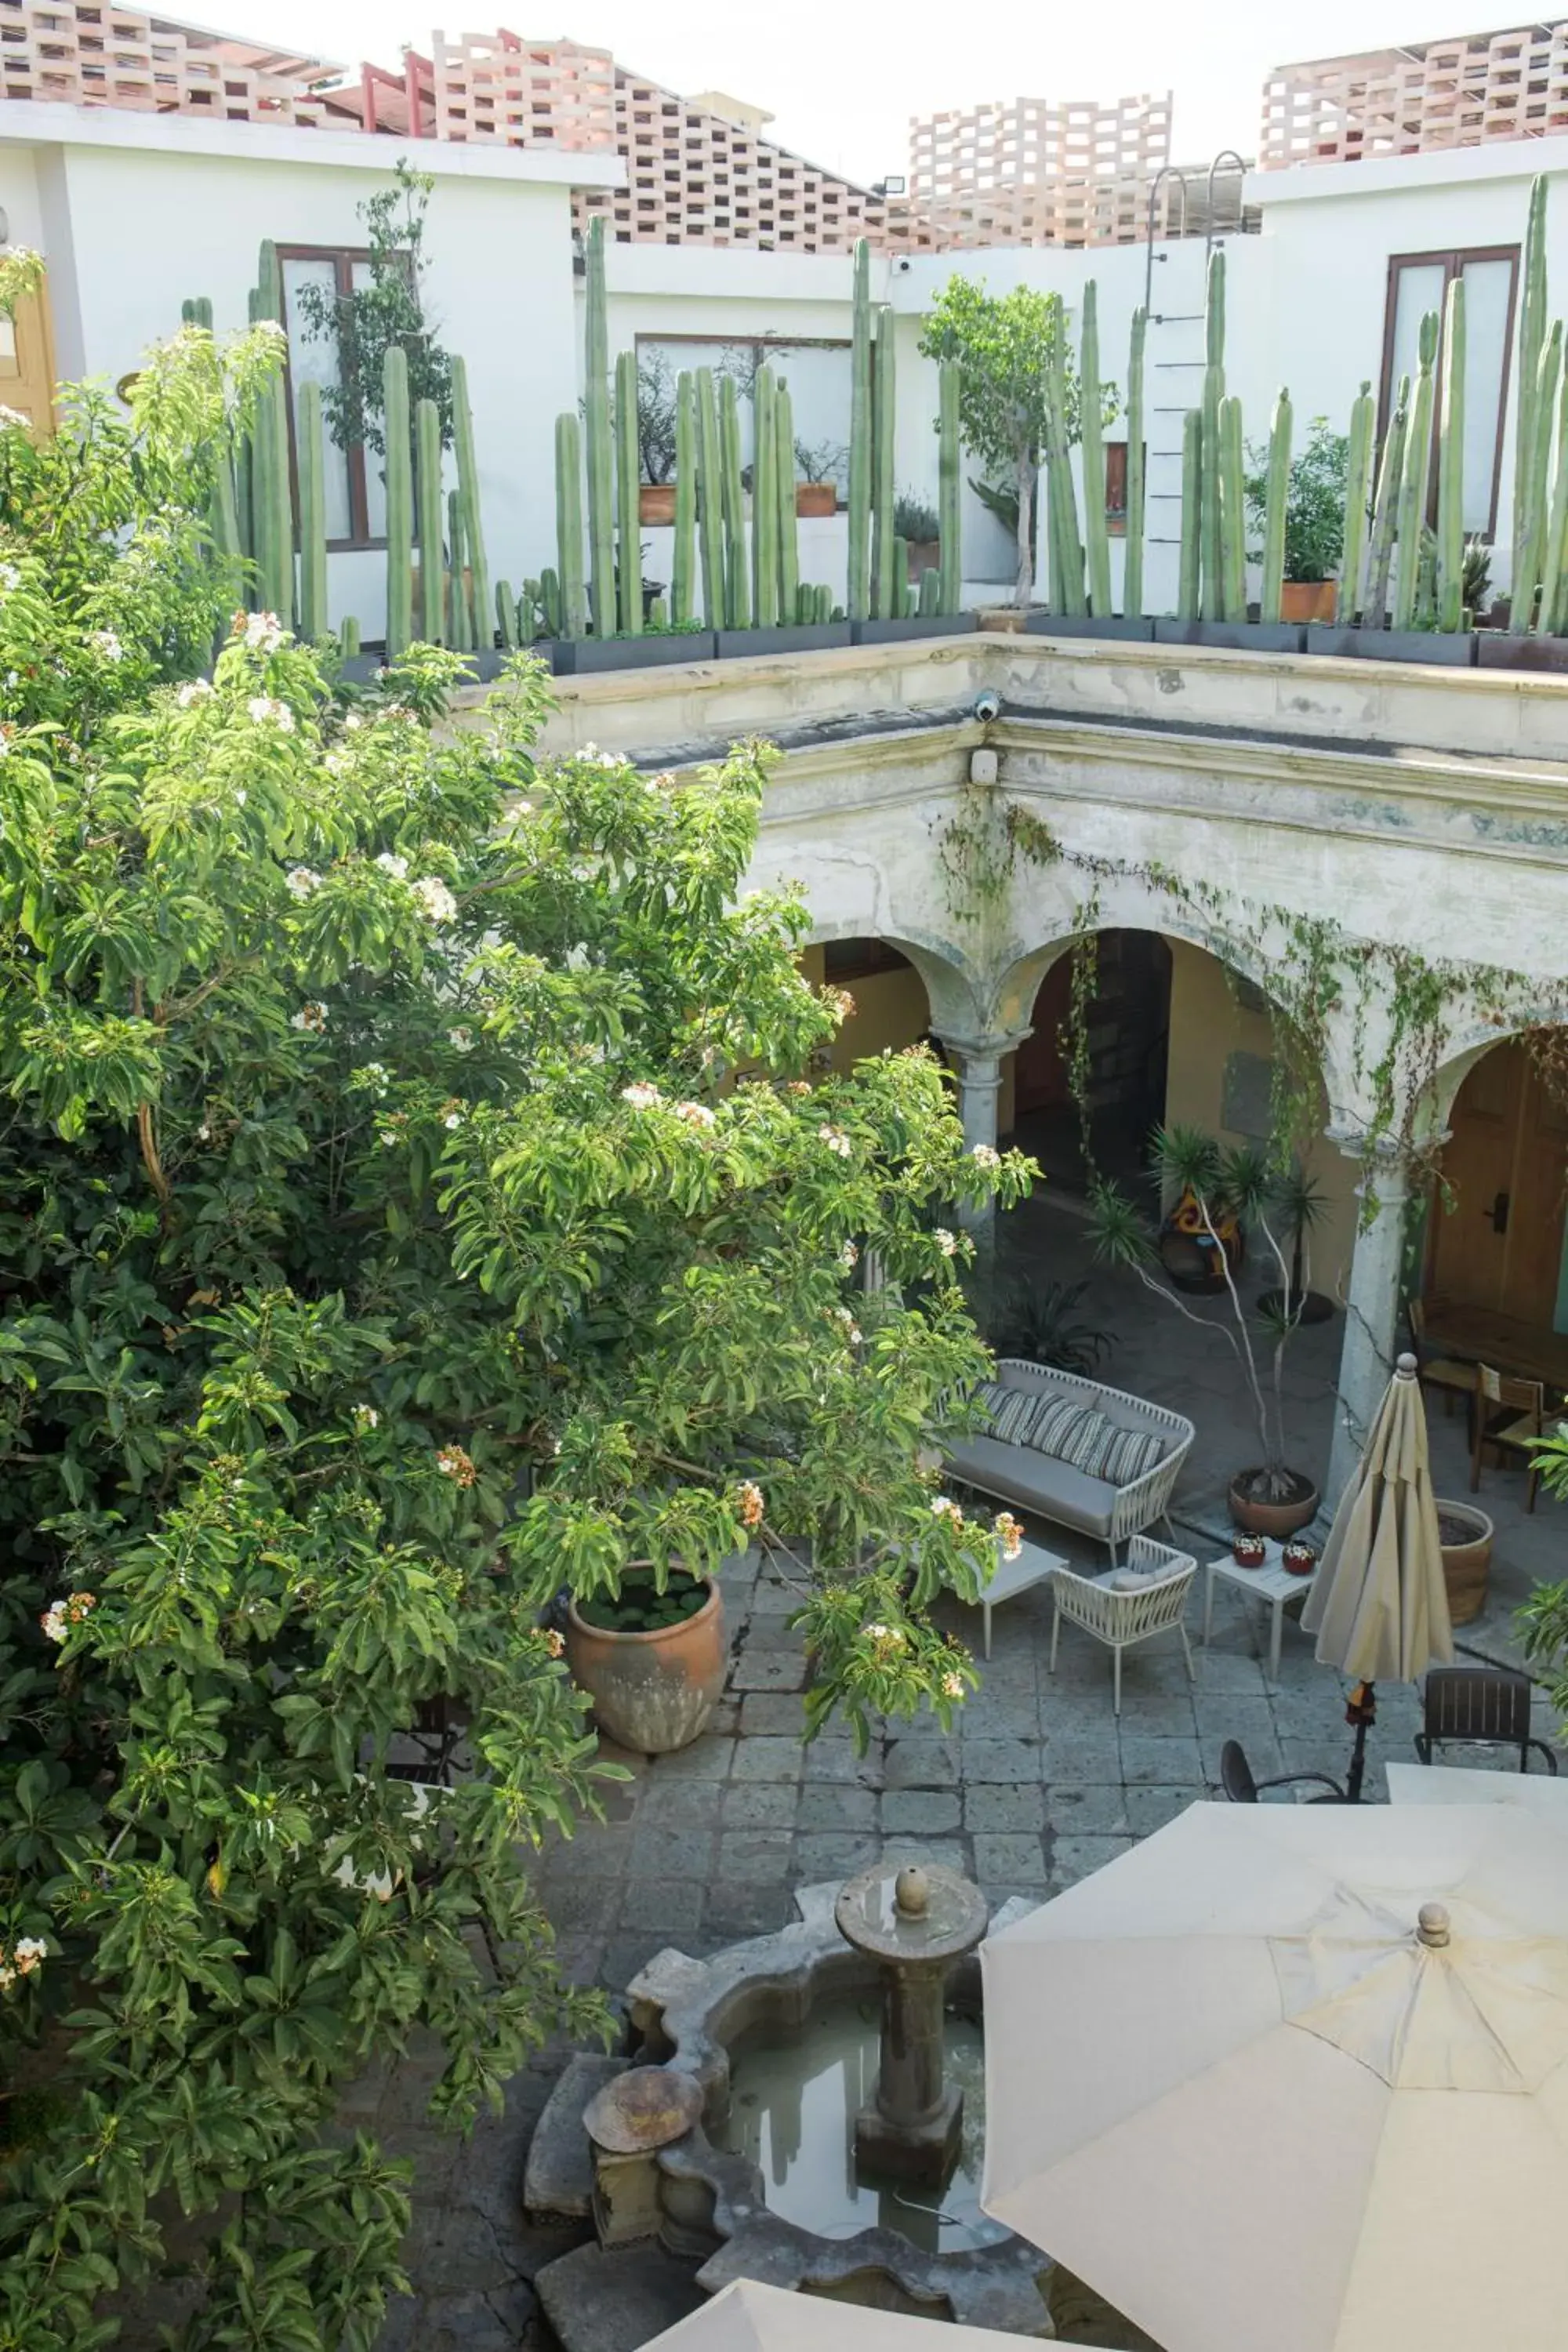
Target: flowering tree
(413, 1201)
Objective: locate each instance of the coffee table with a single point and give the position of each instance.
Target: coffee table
(1271, 1583)
(1033, 1565)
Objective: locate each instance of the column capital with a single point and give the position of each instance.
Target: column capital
(973, 1053)
(1387, 1165)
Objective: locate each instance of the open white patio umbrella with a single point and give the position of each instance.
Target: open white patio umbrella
(1295, 2079)
(746, 2316)
(1378, 1604)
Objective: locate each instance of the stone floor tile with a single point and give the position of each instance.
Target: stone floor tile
(836, 1761)
(661, 1852)
(1163, 1714)
(581, 1906)
(920, 1812)
(1149, 1808)
(780, 1712)
(706, 1760)
(993, 1805)
(1084, 1761)
(921, 1763)
(760, 1805)
(1009, 1716)
(747, 1909)
(1073, 1858)
(753, 1854)
(1081, 1811)
(674, 1907)
(1013, 1760)
(1168, 1763)
(836, 1808)
(758, 1669)
(768, 1758)
(680, 1804)
(1011, 1860)
(823, 1853)
(950, 1853)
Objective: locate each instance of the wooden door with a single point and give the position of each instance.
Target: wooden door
(1500, 1244)
(28, 362)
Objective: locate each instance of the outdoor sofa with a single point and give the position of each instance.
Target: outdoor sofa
(1073, 1452)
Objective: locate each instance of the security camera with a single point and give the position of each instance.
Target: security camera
(904, 268)
(987, 707)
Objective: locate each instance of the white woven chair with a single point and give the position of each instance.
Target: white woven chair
(1120, 1619)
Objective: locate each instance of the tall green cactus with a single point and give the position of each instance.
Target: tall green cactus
(628, 520)
(399, 501)
(683, 561)
(597, 425)
(506, 616)
(950, 489)
(313, 622)
(784, 483)
(1231, 510)
(469, 496)
(710, 501)
(1537, 525)
(1210, 525)
(1416, 475)
(1276, 503)
(348, 637)
(427, 494)
(861, 429)
(930, 592)
(1531, 336)
(1132, 576)
(1062, 507)
(270, 484)
(1551, 616)
(737, 590)
(569, 523)
(457, 630)
(1358, 498)
(1451, 465)
(1189, 591)
(1091, 452)
(766, 500)
(885, 587)
(1385, 512)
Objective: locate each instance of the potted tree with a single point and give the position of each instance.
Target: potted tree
(1314, 520)
(821, 463)
(1301, 1204)
(651, 1657)
(916, 523)
(1268, 1497)
(656, 439)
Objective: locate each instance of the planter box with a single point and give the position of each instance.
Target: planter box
(591, 654)
(1395, 645)
(1308, 600)
(363, 669)
(817, 499)
(655, 503)
(933, 625)
(800, 637)
(1110, 625)
(1234, 637)
(1495, 651)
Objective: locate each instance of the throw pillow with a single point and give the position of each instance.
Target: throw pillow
(1129, 1455)
(1086, 1447)
(1056, 1420)
(1012, 1410)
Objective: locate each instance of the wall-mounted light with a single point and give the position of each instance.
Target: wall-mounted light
(893, 185)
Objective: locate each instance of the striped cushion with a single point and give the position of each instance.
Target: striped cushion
(1055, 1424)
(1130, 1454)
(1086, 1447)
(1011, 1411)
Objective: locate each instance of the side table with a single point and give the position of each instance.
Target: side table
(1272, 1583)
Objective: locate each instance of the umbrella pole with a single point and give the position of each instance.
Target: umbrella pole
(1361, 1714)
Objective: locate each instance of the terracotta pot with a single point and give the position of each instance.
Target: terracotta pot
(1308, 600)
(652, 1691)
(656, 502)
(1276, 1520)
(1466, 1565)
(816, 498)
(924, 555)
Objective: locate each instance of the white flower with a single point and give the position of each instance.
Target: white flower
(943, 1507)
(263, 632)
(310, 1016)
(461, 1040)
(641, 1096)
(952, 1686)
(108, 645)
(195, 689)
(577, 958)
(10, 578)
(29, 1951)
(985, 1155)
(454, 1118)
(203, 1133)
(267, 711)
(336, 763)
(1009, 1534)
(374, 1075)
(366, 1417)
(53, 1621)
(837, 1140)
(437, 903)
(390, 863)
(850, 1257)
(695, 1114)
(947, 1243)
(352, 722)
(300, 880)
(590, 751)
(239, 797)
(851, 1329)
(753, 1503)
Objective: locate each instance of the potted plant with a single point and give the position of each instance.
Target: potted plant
(821, 463)
(1465, 1540)
(916, 523)
(1226, 1182)
(1302, 1205)
(656, 439)
(1314, 520)
(651, 1656)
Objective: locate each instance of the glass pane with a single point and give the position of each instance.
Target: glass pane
(374, 463)
(314, 359)
(1418, 287)
(1486, 289)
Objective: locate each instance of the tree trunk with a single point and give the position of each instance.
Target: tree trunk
(1025, 584)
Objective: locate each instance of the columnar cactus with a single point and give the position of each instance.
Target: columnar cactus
(1277, 496)
(950, 490)
(1451, 465)
(784, 483)
(1189, 592)
(1209, 524)
(1132, 576)
(683, 562)
(314, 621)
(569, 523)
(1358, 498)
(399, 501)
(348, 637)
(884, 600)
(765, 502)
(478, 595)
(505, 615)
(1385, 512)
(1091, 451)
(427, 494)
(1416, 475)
(1531, 337)
(1061, 512)
(552, 607)
(930, 602)
(710, 501)
(1551, 617)
(460, 625)
(737, 589)
(597, 423)
(628, 498)
(1232, 511)
(860, 439)
(272, 484)
(1538, 531)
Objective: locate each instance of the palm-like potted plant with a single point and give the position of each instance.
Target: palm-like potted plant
(1302, 1205)
(1224, 1180)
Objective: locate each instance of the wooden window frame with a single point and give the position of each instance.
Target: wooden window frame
(1452, 261)
(359, 542)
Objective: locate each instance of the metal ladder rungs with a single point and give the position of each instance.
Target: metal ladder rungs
(1175, 318)
(1180, 364)
(1154, 542)
(1175, 495)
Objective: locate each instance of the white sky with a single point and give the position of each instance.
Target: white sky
(843, 76)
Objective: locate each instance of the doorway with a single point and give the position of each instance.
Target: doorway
(1499, 1244)
(28, 363)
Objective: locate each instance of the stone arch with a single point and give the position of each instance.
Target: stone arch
(1471, 1038)
(953, 985)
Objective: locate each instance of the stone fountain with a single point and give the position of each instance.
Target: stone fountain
(914, 1923)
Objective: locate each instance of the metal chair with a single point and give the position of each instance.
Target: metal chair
(1483, 1706)
(1518, 1408)
(1236, 1779)
(1446, 1373)
(1154, 1604)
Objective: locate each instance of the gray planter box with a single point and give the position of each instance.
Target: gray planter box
(932, 624)
(1111, 624)
(637, 653)
(1496, 650)
(1394, 644)
(800, 637)
(1234, 637)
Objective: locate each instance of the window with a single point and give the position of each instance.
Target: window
(1417, 282)
(816, 372)
(355, 485)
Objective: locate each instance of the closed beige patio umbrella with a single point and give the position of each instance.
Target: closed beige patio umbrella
(1379, 1605)
(746, 2316)
(1295, 2079)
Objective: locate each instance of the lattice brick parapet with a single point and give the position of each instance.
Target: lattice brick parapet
(494, 86)
(82, 55)
(1025, 143)
(1435, 95)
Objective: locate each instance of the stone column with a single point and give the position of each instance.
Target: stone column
(977, 1063)
(1372, 1308)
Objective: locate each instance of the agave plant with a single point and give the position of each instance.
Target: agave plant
(1040, 1321)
